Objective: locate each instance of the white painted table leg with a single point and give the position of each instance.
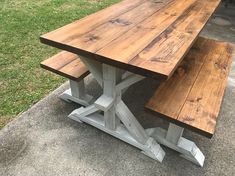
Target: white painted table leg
(109, 83)
(173, 139)
(77, 93)
(82, 112)
(95, 68)
(129, 120)
(112, 106)
(128, 81)
(152, 149)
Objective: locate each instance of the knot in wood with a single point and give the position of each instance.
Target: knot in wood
(92, 38)
(120, 22)
(157, 1)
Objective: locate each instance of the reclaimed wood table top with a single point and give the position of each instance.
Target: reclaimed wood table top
(147, 37)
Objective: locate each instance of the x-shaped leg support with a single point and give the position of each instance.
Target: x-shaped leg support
(116, 119)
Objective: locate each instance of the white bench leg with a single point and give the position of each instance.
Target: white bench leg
(115, 110)
(76, 93)
(173, 139)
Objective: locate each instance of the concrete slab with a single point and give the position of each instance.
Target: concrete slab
(222, 24)
(43, 141)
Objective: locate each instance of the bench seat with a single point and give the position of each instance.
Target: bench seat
(70, 66)
(67, 65)
(192, 97)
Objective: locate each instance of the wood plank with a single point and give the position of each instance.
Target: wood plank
(169, 98)
(175, 34)
(59, 60)
(76, 69)
(128, 35)
(195, 91)
(169, 48)
(82, 26)
(99, 37)
(66, 64)
(202, 105)
(127, 46)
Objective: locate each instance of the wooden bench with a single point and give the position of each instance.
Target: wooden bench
(192, 97)
(70, 66)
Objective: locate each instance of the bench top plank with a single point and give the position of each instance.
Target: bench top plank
(125, 34)
(179, 85)
(193, 95)
(66, 64)
(202, 105)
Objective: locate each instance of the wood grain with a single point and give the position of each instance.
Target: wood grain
(148, 37)
(127, 46)
(202, 105)
(66, 64)
(99, 37)
(192, 96)
(171, 95)
(79, 27)
(166, 51)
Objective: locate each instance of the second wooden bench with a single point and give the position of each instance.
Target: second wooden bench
(192, 97)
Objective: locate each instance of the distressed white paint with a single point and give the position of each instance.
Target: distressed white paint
(77, 88)
(174, 133)
(126, 74)
(114, 111)
(131, 123)
(151, 148)
(131, 131)
(109, 83)
(84, 111)
(128, 81)
(94, 67)
(67, 96)
(104, 102)
(187, 148)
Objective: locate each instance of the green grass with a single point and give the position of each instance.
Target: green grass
(22, 81)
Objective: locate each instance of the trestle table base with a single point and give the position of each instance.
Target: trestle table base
(118, 121)
(151, 148)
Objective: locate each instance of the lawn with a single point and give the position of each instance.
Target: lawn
(22, 81)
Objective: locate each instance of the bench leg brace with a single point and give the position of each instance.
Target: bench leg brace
(173, 139)
(114, 110)
(77, 93)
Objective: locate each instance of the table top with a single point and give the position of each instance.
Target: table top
(147, 37)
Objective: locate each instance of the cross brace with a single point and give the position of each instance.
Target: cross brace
(130, 130)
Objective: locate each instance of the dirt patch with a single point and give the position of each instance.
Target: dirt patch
(4, 120)
(12, 148)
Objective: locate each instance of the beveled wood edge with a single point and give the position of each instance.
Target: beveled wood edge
(179, 123)
(109, 61)
(64, 74)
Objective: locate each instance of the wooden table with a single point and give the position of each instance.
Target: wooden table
(125, 43)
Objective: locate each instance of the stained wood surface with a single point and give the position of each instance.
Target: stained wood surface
(66, 64)
(192, 96)
(147, 37)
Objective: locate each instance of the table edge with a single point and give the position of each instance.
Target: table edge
(103, 59)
